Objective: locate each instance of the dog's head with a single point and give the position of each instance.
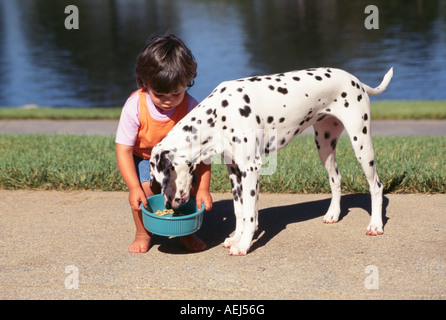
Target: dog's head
(175, 177)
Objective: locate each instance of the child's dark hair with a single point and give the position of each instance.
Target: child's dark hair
(165, 64)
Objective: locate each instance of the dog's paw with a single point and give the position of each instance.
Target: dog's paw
(236, 250)
(330, 218)
(374, 230)
(231, 241)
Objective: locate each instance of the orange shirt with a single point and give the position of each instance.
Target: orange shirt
(152, 131)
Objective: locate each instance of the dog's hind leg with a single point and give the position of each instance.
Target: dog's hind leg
(361, 139)
(327, 134)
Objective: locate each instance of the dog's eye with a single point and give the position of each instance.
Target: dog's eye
(172, 168)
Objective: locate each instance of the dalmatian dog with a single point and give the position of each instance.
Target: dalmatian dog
(248, 118)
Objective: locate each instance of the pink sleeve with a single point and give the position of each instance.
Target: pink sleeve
(129, 122)
(191, 103)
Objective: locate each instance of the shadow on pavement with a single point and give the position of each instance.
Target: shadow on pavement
(219, 223)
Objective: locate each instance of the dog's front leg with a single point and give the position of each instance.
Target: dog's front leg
(236, 184)
(250, 185)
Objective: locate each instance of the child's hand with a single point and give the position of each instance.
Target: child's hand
(136, 197)
(203, 196)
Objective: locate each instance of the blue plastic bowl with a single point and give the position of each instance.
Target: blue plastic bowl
(171, 225)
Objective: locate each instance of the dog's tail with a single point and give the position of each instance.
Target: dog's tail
(383, 86)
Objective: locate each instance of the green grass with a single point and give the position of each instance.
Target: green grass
(384, 110)
(72, 162)
(58, 162)
(409, 110)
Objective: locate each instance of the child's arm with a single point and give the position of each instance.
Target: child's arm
(126, 165)
(203, 174)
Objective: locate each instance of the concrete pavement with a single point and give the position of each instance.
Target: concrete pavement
(73, 245)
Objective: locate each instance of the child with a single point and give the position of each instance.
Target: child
(164, 69)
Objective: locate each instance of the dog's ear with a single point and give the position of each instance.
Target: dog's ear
(152, 176)
(163, 164)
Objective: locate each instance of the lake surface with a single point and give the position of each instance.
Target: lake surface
(43, 63)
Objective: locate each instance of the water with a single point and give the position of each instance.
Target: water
(43, 63)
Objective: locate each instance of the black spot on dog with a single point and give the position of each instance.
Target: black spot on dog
(270, 119)
(258, 119)
(296, 78)
(355, 138)
(252, 193)
(255, 79)
(191, 129)
(353, 83)
(327, 75)
(333, 144)
(371, 163)
(366, 117)
(246, 98)
(223, 118)
(359, 97)
(318, 78)
(344, 94)
(282, 142)
(327, 135)
(246, 111)
(271, 87)
(321, 118)
(240, 89)
(282, 90)
(209, 111)
(224, 103)
(346, 104)
(281, 120)
(222, 89)
(364, 130)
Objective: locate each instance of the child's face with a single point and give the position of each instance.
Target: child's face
(167, 101)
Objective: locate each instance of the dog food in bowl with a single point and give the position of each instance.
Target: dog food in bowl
(184, 220)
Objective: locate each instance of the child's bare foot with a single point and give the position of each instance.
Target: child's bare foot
(141, 243)
(193, 243)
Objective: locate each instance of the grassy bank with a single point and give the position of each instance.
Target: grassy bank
(384, 110)
(71, 162)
